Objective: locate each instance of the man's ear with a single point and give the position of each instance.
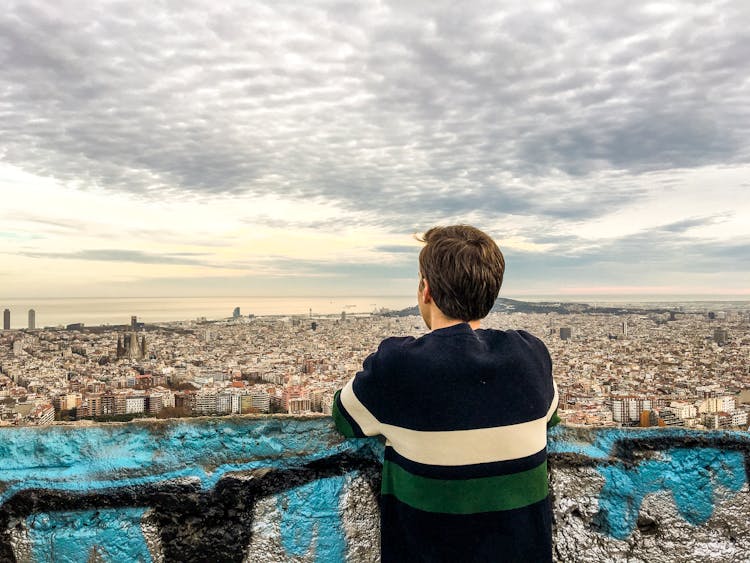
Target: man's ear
(426, 295)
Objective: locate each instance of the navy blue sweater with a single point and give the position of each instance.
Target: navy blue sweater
(465, 415)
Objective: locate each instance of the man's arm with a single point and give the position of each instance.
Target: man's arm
(343, 420)
(554, 420)
(352, 418)
(552, 417)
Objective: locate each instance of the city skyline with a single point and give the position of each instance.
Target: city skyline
(620, 366)
(279, 149)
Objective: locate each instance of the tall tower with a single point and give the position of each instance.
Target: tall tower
(6, 319)
(721, 336)
(32, 319)
(133, 350)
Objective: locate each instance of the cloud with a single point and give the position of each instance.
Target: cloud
(687, 224)
(116, 255)
(386, 108)
(645, 258)
(56, 224)
(398, 249)
(403, 268)
(677, 254)
(17, 236)
(539, 122)
(270, 266)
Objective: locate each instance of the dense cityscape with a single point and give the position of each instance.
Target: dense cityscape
(685, 366)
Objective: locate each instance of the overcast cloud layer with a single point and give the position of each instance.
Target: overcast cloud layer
(540, 121)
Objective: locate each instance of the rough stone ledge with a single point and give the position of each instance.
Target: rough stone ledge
(280, 488)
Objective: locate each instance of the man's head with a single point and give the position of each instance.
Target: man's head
(463, 269)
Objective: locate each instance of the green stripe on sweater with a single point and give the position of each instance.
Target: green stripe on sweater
(342, 425)
(466, 496)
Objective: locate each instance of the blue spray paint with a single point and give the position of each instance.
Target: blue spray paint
(89, 459)
(310, 514)
(114, 535)
(112, 457)
(560, 441)
(691, 475)
(97, 458)
(600, 443)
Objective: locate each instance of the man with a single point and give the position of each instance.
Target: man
(465, 413)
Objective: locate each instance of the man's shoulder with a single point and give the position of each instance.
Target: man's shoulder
(529, 338)
(517, 342)
(512, 335)
(395, 342)
(392, 348)
(434, 346)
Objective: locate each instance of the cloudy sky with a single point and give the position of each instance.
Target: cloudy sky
(294, 148)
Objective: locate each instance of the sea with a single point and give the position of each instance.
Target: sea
(54, 312)
(118, 310)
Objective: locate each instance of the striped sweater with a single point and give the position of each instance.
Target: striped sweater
(465, 416)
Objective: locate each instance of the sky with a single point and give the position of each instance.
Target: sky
(194, 148)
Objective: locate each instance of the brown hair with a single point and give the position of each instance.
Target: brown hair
(464, 268)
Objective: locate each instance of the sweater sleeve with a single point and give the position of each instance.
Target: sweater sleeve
(550, 385)
(552, 417)
(352, 418)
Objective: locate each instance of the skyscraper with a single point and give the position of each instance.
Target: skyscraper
(721, 336)
(6, 319)
(32, 319)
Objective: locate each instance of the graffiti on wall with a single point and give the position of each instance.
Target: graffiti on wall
(226, 489)
(176, 490)
(692, 466)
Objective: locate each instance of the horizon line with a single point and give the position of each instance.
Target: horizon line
(558, 296)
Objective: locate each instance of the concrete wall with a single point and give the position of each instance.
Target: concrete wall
(282, 489)
(658, 495)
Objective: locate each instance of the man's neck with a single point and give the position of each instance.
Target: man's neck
(440, 321)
